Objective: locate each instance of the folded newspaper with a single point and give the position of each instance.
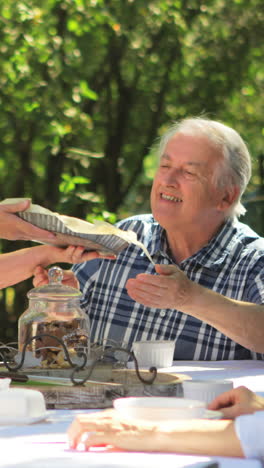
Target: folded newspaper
(100, 236)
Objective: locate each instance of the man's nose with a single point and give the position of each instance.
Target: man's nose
(173, 177)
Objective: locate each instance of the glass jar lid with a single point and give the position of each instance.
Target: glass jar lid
(55, 290)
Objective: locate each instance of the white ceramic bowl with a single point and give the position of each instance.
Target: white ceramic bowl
(159, 408)
(154, 353)
(21, 406)
(205, 390)
(4, 383)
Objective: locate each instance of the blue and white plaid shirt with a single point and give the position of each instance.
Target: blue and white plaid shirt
(231, 264)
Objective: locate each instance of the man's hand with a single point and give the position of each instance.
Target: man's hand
(170, 289)
(236, 402)
(14, 228)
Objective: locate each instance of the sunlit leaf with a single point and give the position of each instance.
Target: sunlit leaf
(80, 180)
(87, 92)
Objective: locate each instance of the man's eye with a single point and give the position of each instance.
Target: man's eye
(189, 173)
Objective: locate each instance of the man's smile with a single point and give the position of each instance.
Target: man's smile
(170, 198)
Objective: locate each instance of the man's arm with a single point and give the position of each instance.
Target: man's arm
(243, 322)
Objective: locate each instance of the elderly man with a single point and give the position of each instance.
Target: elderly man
(207, 289)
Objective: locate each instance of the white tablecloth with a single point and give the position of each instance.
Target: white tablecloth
(248, 373)
(45, 444)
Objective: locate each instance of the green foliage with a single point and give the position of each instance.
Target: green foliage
(107, 77)
(69, 183)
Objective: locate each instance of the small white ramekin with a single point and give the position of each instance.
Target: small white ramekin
(154, 353)
(205, 390)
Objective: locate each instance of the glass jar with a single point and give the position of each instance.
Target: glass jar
(53, 319)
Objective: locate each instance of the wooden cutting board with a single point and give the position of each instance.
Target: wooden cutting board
(106, 384)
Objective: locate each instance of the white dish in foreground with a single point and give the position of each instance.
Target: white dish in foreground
(22, 421)
(159, 408)
(209, 414)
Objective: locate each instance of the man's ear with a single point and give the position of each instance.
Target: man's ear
(230, 195)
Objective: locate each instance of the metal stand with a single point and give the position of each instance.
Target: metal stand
(77, 368)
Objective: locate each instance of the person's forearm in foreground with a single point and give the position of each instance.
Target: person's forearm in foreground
(201, 437)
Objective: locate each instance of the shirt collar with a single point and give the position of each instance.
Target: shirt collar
(212, 254)
(157, 241)
(220, 246)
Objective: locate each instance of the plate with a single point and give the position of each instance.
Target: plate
(96, 240)
(209, 414)
(22, 421)
(163, 408)
(159, 408)
(99, 236)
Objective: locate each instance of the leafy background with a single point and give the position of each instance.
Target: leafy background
(86, 86)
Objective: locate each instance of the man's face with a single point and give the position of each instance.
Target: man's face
(183, 193)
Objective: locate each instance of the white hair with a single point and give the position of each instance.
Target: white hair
(235, 167)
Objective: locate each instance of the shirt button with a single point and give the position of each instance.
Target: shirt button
(162, 313)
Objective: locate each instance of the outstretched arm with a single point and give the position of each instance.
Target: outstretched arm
(243, 322)
(200, 437)
(22, 264)
(14, 228)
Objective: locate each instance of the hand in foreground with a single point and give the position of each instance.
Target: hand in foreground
(238, 401)
(169, 289)
(192, 436)
(14, 228)
(104, 428)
